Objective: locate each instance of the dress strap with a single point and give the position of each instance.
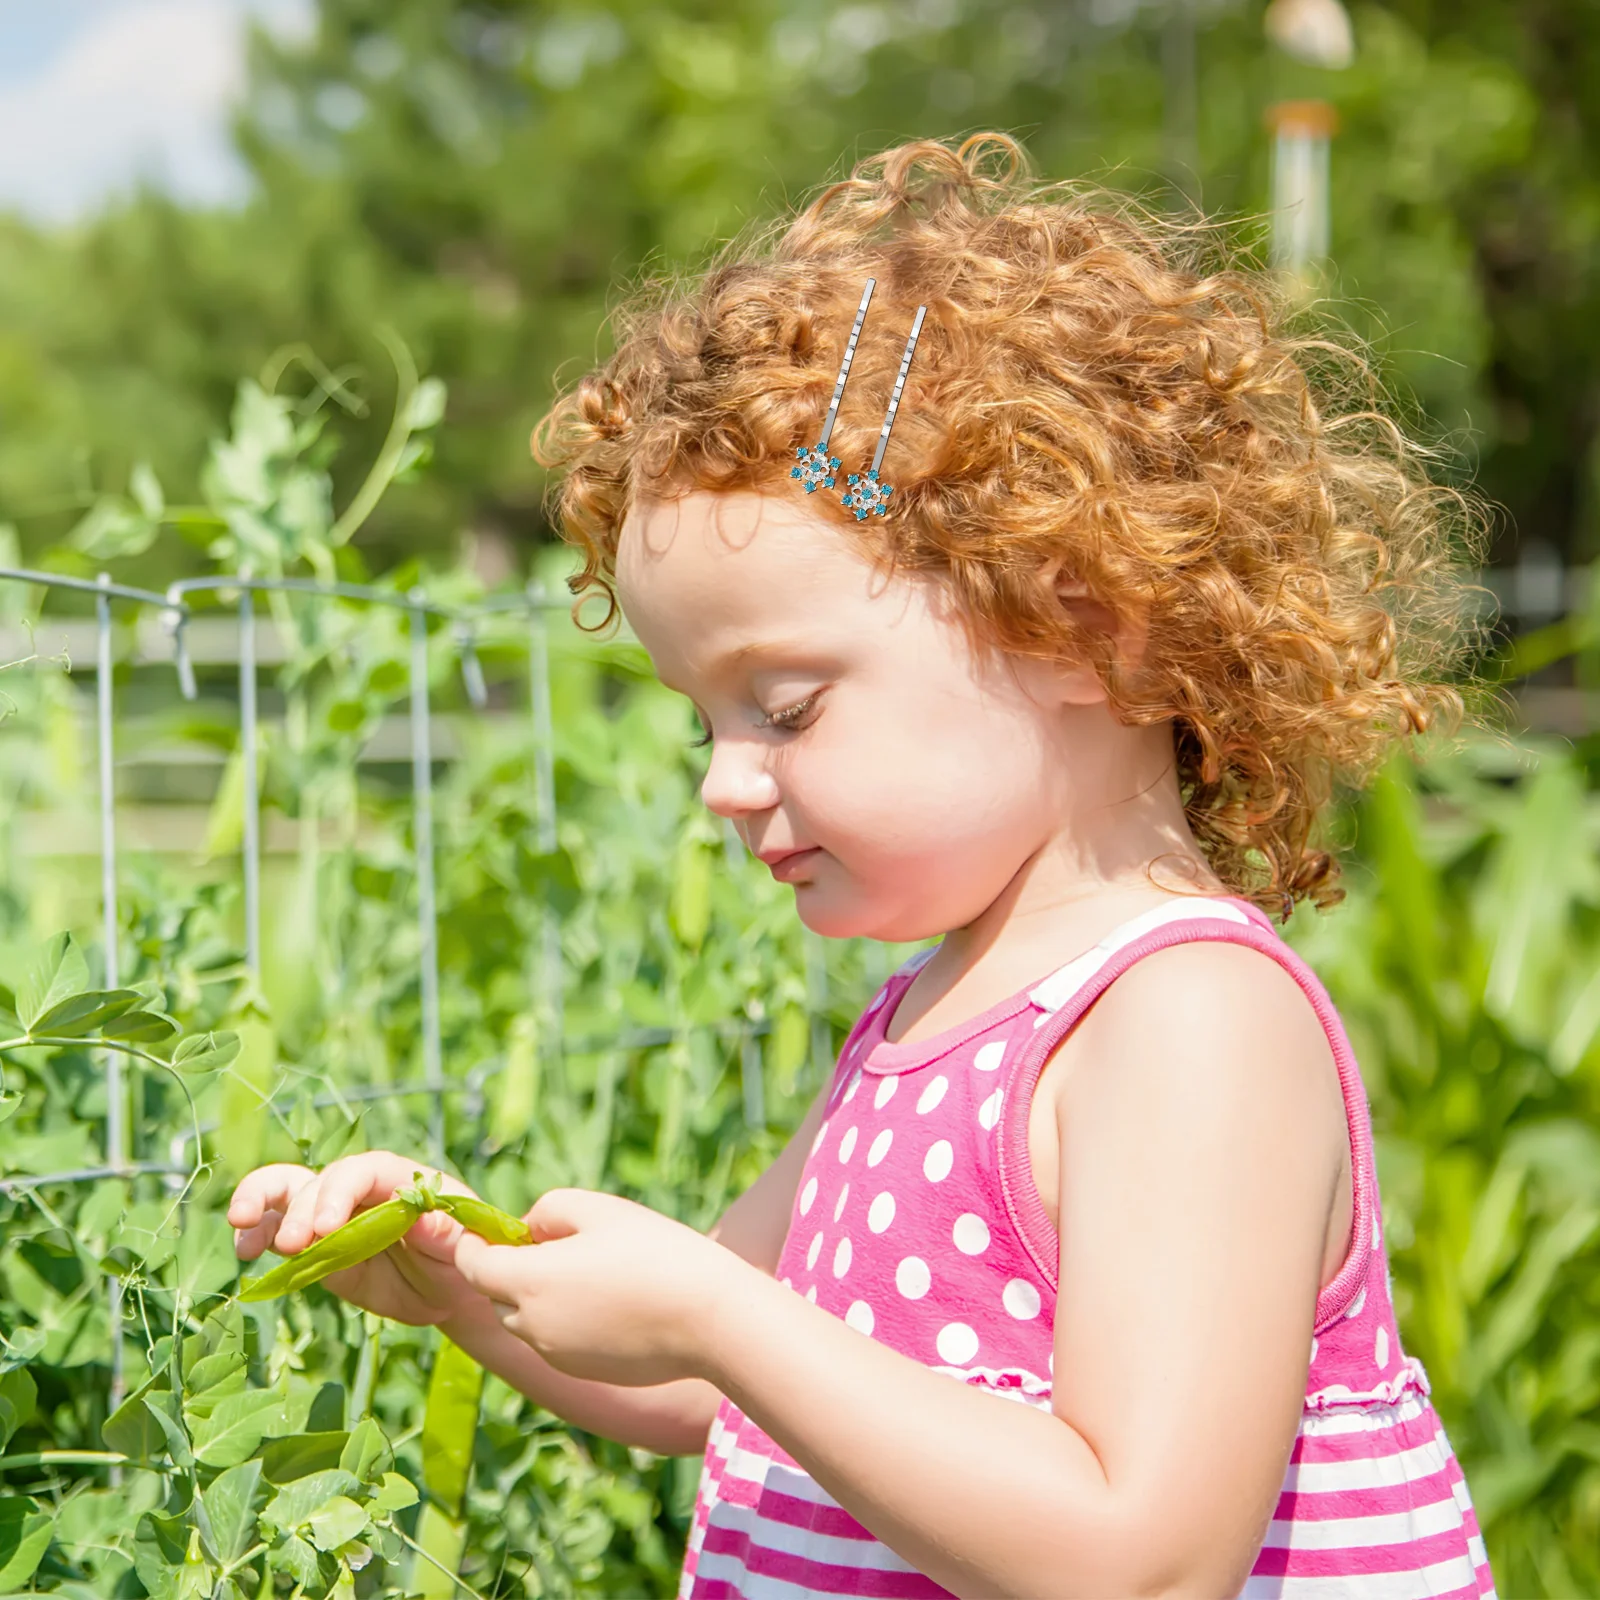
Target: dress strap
(1021, 1194)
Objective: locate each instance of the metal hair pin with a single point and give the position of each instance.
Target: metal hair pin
(816, 466)
(867, 496)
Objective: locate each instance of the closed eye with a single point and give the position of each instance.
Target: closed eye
(792, 718)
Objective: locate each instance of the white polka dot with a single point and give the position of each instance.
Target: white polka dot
(957, 1344)
(1313, 1347)
(811, 1294)
(1358, 1305)
(1021, 1299)
(912, 1278)
(989, 1111)
(822, 1133)
(860, 1317)
(1050, 1365)
(932, 1095)
(786, 1283)
(886, 1090)
(847, 1145)
(988, 1059)
(808, 1196)
(881, 1212)
(838, 1205)
(850, 1093)
(841, 1258)
(877, 1000)
(814, 1252)
(1380, 1348)
(938, 1162)
(880, 1148)
(971, 1234)
(1377, 1232)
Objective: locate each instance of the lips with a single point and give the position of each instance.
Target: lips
(786, 865)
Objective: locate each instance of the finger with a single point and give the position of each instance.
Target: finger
(266, 1189)
(560, 1213)
(355, 1183)
(500, 1271)
(249, 1242)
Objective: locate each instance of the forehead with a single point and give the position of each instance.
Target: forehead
(708, 572)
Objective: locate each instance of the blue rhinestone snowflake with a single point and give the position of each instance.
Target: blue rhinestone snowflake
(866, 496)
(816, 468)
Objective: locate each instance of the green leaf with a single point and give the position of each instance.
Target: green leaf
(162, 1405)
(298, 1455)
(450, 1425)
(293, 1506)
(234, 1430)
(337, 1522)
(327, 1409)
(205, 1052)
(206, 1263)
(133, 1429)
(295, 1557)
(366, 1453)
(230, 1504)
(25, 1532)
(55, 974)
(361, 1238)
(82, 1014)
(211, 1370)
(139, 1027)
(489, 1222)
(395, 1493)
(18, 1396)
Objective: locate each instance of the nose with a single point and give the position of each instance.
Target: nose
(737, 782)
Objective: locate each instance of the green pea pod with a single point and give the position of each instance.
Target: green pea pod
(489, 1222)
(361, 1238)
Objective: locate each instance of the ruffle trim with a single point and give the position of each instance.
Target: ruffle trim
(1410, 1379)
(1011, 1383)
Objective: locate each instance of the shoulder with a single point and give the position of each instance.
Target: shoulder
(1205, 1025)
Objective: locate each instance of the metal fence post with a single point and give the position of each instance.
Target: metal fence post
(116, 1090)
(422, 828)
(548, 997)
(251, 843)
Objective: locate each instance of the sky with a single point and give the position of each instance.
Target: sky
(96, 95)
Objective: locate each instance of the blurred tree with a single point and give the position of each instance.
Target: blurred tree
(481, 174)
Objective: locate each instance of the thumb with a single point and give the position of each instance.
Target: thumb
(560, 1213)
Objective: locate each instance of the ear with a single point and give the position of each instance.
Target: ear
(1129, 629)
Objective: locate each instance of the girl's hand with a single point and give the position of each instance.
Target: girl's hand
(609, 1291)
(284, 1208)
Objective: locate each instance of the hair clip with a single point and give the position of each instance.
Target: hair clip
(817, 467)
(866, 495)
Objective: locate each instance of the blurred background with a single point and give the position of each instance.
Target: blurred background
(288, 282)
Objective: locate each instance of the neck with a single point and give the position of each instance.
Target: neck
(1119, 849)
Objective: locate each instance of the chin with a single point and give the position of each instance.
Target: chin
(860, 917)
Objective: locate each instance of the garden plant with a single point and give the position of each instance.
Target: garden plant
(626, 1002)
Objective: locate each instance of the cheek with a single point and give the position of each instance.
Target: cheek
(924, 780)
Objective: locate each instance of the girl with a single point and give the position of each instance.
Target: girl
(1072, 1282)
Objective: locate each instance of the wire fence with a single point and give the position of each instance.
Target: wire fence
(176, 610)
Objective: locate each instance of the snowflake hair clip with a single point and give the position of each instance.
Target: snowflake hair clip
(867, 496)
(816, 467)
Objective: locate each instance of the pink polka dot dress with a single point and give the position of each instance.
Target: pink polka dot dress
(917, 1223)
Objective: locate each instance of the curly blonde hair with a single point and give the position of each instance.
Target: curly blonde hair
(1089, 401)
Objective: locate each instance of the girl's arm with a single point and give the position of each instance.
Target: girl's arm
(671, 1419)
(1199, 1159)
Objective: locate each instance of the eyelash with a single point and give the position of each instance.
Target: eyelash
(788, 719)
